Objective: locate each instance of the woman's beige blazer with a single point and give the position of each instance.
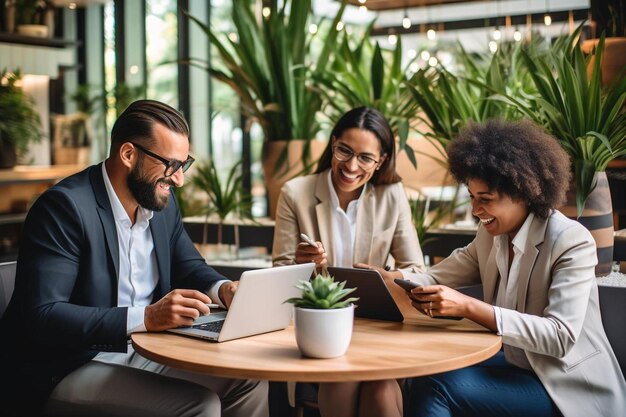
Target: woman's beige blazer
(556, 322)
(383, 225)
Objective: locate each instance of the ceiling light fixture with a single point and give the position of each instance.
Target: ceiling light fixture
(497, 35)
(406, 22)
(430, 33)
(547, 19)
(517, 35)
(392, 38)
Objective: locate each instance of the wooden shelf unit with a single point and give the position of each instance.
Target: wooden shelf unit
(19, 187)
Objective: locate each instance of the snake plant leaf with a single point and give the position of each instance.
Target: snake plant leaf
(378, 73)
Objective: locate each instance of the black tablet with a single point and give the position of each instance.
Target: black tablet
(375, 300)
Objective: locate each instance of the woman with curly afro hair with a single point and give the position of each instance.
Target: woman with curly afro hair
(536, 267)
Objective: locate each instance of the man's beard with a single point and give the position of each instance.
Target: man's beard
(145, 192)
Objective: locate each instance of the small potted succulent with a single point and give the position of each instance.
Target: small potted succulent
(323, 317)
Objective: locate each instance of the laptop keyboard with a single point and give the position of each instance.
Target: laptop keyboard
(213, 326)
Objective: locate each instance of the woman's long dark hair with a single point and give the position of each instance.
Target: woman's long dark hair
(373, 121)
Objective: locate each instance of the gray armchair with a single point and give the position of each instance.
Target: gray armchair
(7, 284)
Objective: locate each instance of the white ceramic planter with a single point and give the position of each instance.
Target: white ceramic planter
(324, 333)
(36, 31)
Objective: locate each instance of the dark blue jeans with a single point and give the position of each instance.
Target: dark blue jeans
(491, 388)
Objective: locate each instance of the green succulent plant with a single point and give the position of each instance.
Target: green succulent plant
(322, 293)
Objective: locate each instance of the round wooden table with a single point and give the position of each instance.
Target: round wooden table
(379, 350)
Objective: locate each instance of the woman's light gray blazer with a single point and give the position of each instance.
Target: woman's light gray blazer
(556, 323)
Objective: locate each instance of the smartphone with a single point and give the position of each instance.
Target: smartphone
(406, 284)
(308, 240)
(409, 285)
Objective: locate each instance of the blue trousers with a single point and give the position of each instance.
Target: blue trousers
(491, 388)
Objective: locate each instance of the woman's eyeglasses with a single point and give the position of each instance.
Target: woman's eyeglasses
(171, 166)
(344, 154)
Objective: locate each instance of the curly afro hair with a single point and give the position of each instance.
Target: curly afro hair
(517, 159)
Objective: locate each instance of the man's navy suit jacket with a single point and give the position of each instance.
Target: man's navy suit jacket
(64, 308)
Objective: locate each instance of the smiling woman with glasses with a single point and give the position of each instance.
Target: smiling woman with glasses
(356, 210)
(171, 166)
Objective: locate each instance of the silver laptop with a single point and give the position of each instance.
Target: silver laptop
(375, 300)
(258, 305)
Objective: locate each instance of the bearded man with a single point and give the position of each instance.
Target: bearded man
(103, 255)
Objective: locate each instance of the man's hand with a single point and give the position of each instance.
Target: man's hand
(177, 308)
(227, 292)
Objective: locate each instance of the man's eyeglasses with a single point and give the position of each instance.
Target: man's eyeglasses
(171, 166)
(344, 154)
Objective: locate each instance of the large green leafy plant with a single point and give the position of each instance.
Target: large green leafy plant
(266, 65)
(589, 120)
(19, 123)
(449, 101)
(322, 292)
(223, 198)
(367, 75)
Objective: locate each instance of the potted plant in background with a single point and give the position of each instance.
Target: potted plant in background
(223, 200)
(74, 133)
(323, 317)
(29, 18)
(20, 123)
(367, 75)
(609, 18)
(448, 101)
(266, 66)
(590, 122)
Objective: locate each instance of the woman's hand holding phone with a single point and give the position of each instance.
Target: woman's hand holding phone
(424, 302)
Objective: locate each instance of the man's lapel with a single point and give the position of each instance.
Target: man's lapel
(106, 217)
(160, 238)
